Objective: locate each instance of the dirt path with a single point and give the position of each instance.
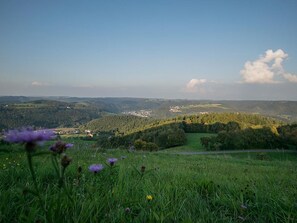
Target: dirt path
(233, 151)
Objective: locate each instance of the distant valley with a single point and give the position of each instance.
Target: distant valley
(53, 112)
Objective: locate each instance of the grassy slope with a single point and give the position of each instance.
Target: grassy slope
(193, 143)
(184, 188)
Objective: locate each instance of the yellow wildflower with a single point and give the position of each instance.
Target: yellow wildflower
(149, 197)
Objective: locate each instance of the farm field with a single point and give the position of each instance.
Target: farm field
(148, 187)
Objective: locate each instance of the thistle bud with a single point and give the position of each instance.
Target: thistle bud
(79, 169)
(65, 161)
(142, 169)
(127, 210)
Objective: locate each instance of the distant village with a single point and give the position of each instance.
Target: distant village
(72, 131)
(140, 113)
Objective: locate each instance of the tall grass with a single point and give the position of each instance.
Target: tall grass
(183, 188)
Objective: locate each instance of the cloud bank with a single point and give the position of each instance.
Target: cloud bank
(267, 68)
(39, 84)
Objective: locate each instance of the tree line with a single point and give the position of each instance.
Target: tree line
(285, 137)
(234, 131)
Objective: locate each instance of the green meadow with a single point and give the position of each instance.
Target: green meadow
(149, 187)
(193, 143)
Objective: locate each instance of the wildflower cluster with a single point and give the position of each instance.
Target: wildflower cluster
(31, 139)
(59, 148)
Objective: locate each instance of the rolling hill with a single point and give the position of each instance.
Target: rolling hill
(52, 112)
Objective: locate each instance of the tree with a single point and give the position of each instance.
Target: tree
(139, 144)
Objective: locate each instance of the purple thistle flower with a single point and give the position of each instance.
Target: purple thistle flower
(69, 145)
(96, 168)
(28, 135)
(60, 147)
(112, 161)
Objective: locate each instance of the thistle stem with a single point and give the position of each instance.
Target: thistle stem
(30, 163)
(55, 165)
(29, 158)
(62, 184)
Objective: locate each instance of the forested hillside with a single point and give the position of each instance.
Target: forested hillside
(53, 112)
(46, 114)
(143, 133)
(213, 122)
(121, 124)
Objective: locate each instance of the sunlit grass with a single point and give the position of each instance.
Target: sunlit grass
(193, 143)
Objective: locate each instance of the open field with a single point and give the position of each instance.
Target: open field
(203, 106)
(216, 188)
(193, 143)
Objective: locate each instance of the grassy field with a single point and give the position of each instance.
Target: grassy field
(193, 143)
(218, 188)
(203, 106)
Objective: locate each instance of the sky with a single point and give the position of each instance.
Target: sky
(183, 49)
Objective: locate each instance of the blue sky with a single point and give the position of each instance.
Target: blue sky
(149, 48)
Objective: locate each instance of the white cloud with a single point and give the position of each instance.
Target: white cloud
(267, 68)
(257, 72)
(38, 84)
(290, 77)
(192, 85)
